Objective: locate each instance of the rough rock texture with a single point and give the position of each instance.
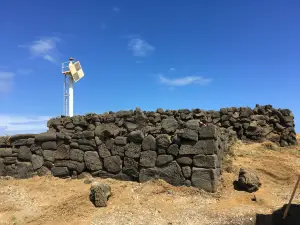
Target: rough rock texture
(184, 147)
(99, 194)
(248, 181)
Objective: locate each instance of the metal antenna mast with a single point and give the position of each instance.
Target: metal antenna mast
(72, 73)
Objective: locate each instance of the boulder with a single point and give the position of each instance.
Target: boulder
(24, 153)
(248, 181)
(208, 132)
(121, 140)
(200, 147)
(43, 171)
(37, 161)
(118, 150)
(163, 159)
(107, 130)
(45, 137)
(188, 134)
(148, 158)
(10, 160)
(2, 168)
(186, 171)
(171, 173)
(149, 143)
(63, 151)
(49, 155)
(21, 136)
(130, 126)
(113, 164)
(131, 168)
(205, 179)
(163, 141)
(71, 165)
(173, 150)
(136, 136)
(206, 161)
(99, 194)
(169, 125)
(92, 161)
(24, 170)
(76, 155)
(60, 171)
(88, 134)
(184, 160)
(5, 152)
(103, 151)
(49, 145)
(133, 150)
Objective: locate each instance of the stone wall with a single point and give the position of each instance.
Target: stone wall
(191, 157)
(183, 147)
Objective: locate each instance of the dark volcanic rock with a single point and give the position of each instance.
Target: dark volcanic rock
(169, 125)
(121, 140)
(149, 143)
(133, 150)
(184, 160)
(24, 170)
(163, 141)
(60, 171)
(76, 155)
(188, 134)
(170, 173)
(37, 161)
(92, 161)
(206, 161)
(113, 164)
(45, 137)
(205, 179)
(248, 181)
(49, 145)
(136, 136)
(148, 158)
(24, 153)
(49, 155)
(103, 151)
(99, 194)
(163, 159)
(131, 167)
(63, 151)
(173, 149)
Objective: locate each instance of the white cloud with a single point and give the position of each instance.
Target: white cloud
(184, 80)
(22, 124)
(116, 9)
(44, 48)
(6, 81)
(172, 69)
(140, 47)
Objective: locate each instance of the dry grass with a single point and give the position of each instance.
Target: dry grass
(49, 200)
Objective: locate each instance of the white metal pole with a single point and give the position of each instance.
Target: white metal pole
(71, 95)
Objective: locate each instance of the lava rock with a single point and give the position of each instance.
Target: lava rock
(99, 194)
(248, 181)
(148, 158)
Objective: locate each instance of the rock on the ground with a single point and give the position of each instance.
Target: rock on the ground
(99, 194)
(248, 181)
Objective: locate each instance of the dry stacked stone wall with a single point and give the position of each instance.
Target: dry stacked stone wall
(183, 147)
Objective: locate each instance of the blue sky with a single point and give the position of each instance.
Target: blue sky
(147, 54)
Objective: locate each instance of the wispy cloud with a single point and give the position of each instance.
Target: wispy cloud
(116, 9)
(11, 124)
(6, 81)
(183, 81)
(172, 69)
(44, 48)
(140, 47)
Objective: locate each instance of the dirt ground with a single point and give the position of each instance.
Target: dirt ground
(49, 200)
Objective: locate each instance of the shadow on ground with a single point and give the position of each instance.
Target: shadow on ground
(293, 217)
